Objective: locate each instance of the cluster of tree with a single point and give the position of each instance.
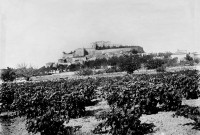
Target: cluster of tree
(102, 45)
(8, 74)
(149, 61)
(188, 60)
(133, 60)
(23, 71)
(129, 63)
(111, 47)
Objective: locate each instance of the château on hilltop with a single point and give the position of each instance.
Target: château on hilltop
(98, 50)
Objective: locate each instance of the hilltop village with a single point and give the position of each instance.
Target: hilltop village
(106, 49)
(98, 50)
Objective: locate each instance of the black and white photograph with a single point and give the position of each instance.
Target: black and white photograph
(99, 67)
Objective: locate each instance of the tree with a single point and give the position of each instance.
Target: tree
(113, 61)
(133, 51)
(8, 75)
(130, 63)
(154, 63)
(42, 70)
(172, 62)
(23, 71)
(188, 58)
(145, 58)
(74, 67)
(61, 68)
(166, 55)
(197, 60)
(53, 67)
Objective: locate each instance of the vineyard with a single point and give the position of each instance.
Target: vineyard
(48, 106)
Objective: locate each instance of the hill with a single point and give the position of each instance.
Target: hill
(99, 49)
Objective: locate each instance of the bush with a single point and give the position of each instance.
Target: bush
(99, 72)
(172, 62)
(188, 58)
(112, 69)
(27, 73)
(8, 75)
(191, 113)
(197, 60)
(74, 67)
(85, 71)
(121, 122)
(161, 69)
(154, 63)
(130, 63)
(123, 117)
(187, 63)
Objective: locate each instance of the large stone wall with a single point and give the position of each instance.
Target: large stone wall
(80, 52)
(90, 51)
(67, 55)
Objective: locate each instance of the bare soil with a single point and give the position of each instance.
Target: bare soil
(165, 123)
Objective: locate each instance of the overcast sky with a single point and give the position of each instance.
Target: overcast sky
(38, 31)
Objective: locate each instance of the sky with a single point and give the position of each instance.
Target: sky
(36, 32)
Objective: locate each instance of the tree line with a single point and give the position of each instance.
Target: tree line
(129, 63)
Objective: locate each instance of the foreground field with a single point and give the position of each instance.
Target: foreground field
(165, 123)
(130, 104)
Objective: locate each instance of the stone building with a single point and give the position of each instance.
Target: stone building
(50, 64)
(67, 55)
(90, 51)
(100, 44)
(195, 55)
(80, 52)
(77, 60)
(180, 54)
(84, 54)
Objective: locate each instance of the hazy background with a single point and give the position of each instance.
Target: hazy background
(38, 31)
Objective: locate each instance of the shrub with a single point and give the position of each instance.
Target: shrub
(123, 117)
(85, 71)
(27, 73)
(130, 63)
(99, 72)
(74, 67)
(121, 122)
(8, 75)
(161, 69)
(191, 113)
(188, 58)
(154, 63)
(187, 63)
(197, 60)
(172, 62)
(112, 69)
